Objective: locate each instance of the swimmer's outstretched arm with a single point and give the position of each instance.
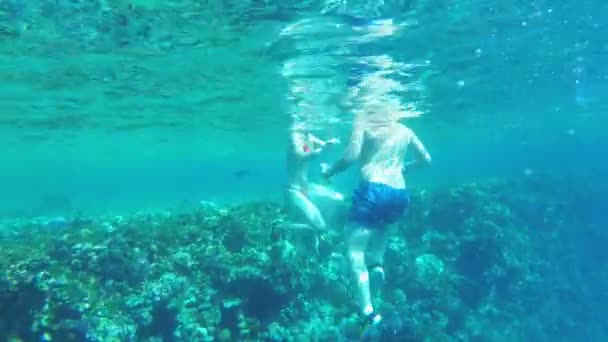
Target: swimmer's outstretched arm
(310, 146)
(351, 154)
(423, 157)
(421, 152)
(300, 148)
(322, 143)
(315, 140)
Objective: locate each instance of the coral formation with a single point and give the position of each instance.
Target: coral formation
(470, 262)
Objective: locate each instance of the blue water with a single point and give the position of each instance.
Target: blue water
(512, 86)
(126, 106)
(167, 182)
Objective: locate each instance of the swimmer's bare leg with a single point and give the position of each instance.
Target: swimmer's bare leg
(305, 206)
(310, 212)
(375, 254)
(357, 241)
(324, 191)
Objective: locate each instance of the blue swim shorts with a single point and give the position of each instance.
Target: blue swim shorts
(375, 205)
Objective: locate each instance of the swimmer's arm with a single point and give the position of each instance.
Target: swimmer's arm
(315, 140)
(423, 157)
(352, 153)
(322, 143)
(301, 149)
(317, 145)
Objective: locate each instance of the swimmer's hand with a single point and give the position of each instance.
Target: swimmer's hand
(411, 165)
(324, 168)
(407, 167)
(325, 171)
(333, 141)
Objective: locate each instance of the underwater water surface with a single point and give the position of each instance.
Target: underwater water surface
(92, 90)
(116, 107)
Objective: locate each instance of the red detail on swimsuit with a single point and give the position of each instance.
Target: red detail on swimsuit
(305, 147)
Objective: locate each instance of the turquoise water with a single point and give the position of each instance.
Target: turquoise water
(129, 104)
(121, 106)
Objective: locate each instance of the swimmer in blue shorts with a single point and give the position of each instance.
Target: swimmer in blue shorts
(381, 197)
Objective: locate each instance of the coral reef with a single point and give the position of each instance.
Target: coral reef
(476, 262)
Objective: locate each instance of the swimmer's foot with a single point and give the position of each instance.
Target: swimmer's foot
(371, 323)
(374, 318)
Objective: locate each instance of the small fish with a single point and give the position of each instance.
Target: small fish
(240, 173)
